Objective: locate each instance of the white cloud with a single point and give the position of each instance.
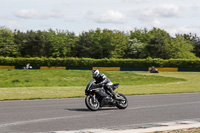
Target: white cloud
(110, 16)
(160, 16)
(176, 29)
(174, 16)
(167, 10)
(195, 12)
(90, 15)
(3, 18)
(187, 29)
(126, 29)
(161, 11)
(14, 25)
(156, 23)
(35, 14)
(138, 1)
(145, 15)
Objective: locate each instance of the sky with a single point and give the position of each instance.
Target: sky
(174, 16)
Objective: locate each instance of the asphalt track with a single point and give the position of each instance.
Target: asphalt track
(34, 116)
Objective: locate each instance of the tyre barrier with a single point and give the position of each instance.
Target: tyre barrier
(165, 69)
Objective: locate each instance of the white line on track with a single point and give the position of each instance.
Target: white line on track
(166, 105)
(45, 119)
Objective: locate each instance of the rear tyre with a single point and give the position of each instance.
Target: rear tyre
(92, 103)
(122, 104)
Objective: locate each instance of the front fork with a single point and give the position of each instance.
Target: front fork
(94, 98)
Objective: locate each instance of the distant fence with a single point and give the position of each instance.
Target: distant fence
(169, 69)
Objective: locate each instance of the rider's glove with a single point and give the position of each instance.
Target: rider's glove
(100, 85)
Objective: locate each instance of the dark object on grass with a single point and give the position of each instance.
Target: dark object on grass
(28, 66)
(153, 70)
(98, 97)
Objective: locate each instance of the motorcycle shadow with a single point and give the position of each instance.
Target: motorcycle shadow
(78, 109)
(85, 109)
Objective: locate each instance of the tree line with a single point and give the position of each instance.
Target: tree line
(99, 43)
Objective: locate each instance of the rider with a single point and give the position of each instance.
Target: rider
(101, 79)
(153, 70)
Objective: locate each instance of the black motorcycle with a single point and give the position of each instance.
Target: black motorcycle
(97, 97)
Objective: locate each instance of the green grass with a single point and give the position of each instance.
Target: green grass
(45, 84)
(63, 78)
(190, 85)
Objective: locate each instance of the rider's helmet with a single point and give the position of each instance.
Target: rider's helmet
(95, 73)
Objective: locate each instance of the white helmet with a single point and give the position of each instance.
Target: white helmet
(95, 73)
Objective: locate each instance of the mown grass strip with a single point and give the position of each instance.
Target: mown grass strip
(107, 68)
(52, 68)
(45, 84)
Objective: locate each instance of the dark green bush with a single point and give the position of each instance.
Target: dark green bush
(88, 62)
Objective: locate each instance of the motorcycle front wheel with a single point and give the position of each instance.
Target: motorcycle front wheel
(92, 103)
(122, 104)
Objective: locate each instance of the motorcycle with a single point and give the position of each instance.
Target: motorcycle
(98, 97)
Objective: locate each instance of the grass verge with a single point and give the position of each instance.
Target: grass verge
(47, 84)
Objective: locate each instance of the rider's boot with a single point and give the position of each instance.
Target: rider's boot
(116, 96)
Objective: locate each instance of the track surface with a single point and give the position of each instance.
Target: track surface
(71, 114)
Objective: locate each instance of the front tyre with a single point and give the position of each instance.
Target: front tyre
(92, 103)
(122, 104)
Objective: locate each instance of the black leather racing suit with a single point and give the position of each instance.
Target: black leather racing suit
(102, 79)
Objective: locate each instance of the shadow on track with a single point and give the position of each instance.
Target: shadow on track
(78, 109)
(85, 109)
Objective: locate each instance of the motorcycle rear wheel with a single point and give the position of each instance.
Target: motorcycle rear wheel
(92, 104)
(122, 104)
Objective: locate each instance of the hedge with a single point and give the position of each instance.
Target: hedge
(88, 62)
